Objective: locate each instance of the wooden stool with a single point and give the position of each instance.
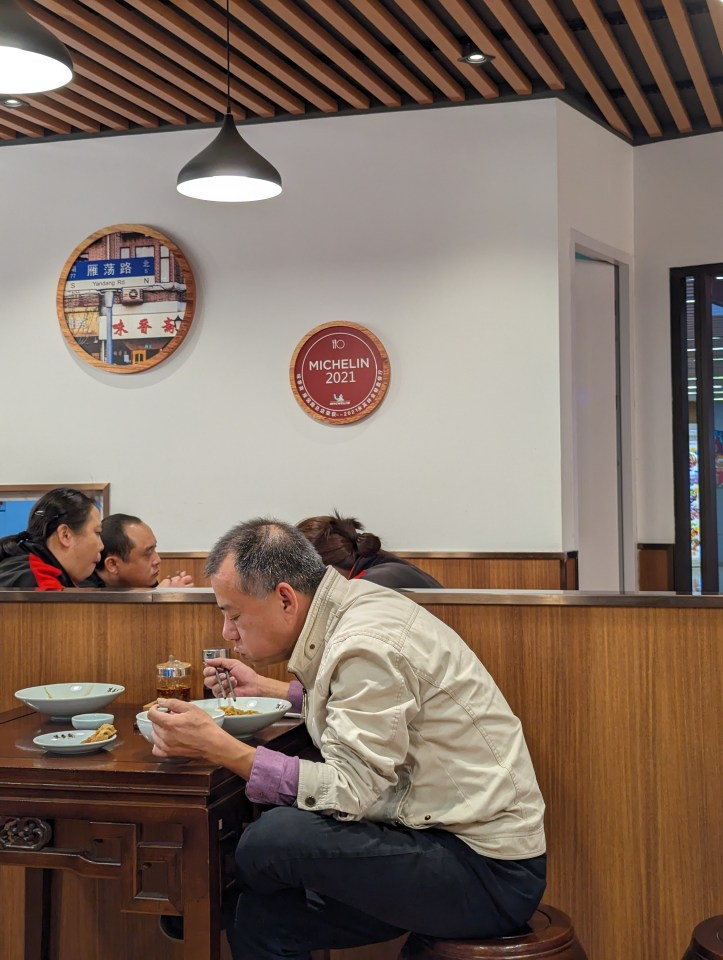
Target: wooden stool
(549, 934)
(707, 941)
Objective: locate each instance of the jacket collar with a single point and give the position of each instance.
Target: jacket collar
(323, 613)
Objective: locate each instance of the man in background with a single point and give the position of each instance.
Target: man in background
(130, 557)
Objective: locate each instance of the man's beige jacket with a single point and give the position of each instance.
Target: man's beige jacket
(412, 728)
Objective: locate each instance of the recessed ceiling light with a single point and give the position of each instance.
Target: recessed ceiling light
(473, 55)
(13, 102)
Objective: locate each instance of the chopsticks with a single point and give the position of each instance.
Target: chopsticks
(231, 695)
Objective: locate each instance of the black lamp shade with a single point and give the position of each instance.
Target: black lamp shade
(32, 59)
(229, 170)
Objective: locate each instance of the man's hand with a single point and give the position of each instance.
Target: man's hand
(180, 579)
(243, 678)
(184, 731)
(188, 731)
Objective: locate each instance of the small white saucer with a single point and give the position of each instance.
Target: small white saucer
(70, 742)
(91, 721)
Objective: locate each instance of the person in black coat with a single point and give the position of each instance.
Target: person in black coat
(59, 549)
(342, 543)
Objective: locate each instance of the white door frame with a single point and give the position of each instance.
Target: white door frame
(579, 243)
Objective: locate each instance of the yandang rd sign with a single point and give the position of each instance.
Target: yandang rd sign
(339, 373)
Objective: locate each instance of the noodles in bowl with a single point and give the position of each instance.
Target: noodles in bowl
(246, 715)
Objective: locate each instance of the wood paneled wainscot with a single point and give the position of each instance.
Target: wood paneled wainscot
(619, 697)
(455, 570)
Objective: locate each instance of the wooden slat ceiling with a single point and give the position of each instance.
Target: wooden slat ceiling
(646, 69)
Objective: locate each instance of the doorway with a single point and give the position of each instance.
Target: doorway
(696, 300)
(596, 412)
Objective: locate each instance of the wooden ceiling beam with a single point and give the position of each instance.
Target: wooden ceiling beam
(41, 117)
(6, 133)
(215, 22)
(140, 106)
(345, 24)
(389, 26)
(266, 29)
(645, 39)
(715, 8)
(563, 36)
(449, 46)
(189, 71)
(176, 27)
(339, 55)
(75, 118)
(680, 24)
(168, 101)
(101, 29)
(72, 99)
(13, 120)
(602, 34)
(151, 62)
(93, 87)
(525, 40)
(483, 38)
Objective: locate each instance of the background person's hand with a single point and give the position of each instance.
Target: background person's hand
(244, 679)
(180, 579)
(184, 731)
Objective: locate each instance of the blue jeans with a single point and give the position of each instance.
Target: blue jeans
(310, 882)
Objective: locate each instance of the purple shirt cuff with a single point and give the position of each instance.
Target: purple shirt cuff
(296, 696)
(274, 778)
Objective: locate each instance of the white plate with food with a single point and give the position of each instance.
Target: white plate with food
(76, 742)
(247, 715)
(61, 701)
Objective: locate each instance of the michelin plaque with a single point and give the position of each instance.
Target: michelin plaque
(339, 373)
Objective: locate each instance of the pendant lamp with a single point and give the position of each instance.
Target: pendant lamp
(32, 59)
(228, 170)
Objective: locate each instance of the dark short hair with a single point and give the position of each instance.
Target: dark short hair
(62, 505)
(116, 542)
(267, 552)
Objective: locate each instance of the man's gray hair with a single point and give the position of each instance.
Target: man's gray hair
(267, 552)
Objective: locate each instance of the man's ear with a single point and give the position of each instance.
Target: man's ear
(288, 597)
(111, 565)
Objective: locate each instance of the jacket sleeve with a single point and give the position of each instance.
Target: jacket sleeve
(370, 696)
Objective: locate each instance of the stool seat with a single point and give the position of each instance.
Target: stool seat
(707, 941)
(549, 934)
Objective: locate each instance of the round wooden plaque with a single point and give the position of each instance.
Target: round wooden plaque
(339, 373)
(126, 298)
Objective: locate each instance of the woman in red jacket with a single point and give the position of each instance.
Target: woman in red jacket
(60, 547)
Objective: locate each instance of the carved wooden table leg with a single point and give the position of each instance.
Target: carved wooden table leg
(201, 889)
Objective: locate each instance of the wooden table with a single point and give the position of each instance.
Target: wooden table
(165, 832)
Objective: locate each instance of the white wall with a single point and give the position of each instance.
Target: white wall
(436, 229)
(595, 204)
(678, 223)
